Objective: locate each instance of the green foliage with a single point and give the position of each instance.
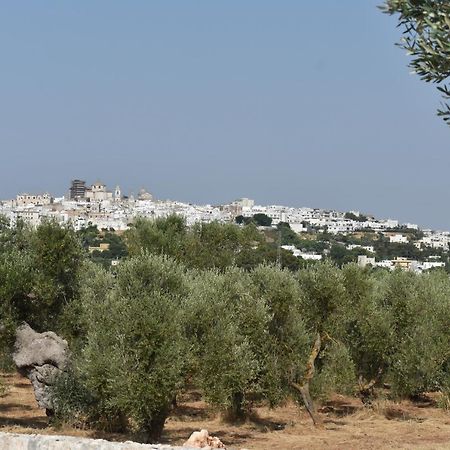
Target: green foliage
(250, 258)
(16, 283)
(38, 276)
(227, 325)
(384, 249)
(444, 399)
(259, 219)
(241, 220)
(159, 236)
(369, 330)
(134, 355)
(325, 300)
(312, 245)
(56, 255)
(353, 216)
(74, 406)
(341, 256)
(215, 245)
(262, 220)
(288, 341)
(336, 372)
(421, 361)
(426, 38)
(89, 236)
(202, 246)
(288, 236)
(117, 250)
(398, 331)
(249, 335)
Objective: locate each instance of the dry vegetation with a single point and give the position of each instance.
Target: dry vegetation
(348, 424)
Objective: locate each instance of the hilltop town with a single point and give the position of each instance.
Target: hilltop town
(308, 233)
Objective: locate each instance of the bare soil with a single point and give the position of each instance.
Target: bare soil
(348, 424)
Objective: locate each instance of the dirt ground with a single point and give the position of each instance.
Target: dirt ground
(348, 424)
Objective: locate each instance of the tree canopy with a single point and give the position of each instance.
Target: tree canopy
(426, 37)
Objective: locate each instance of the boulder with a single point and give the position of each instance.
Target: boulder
(41, 357)
(202, 439)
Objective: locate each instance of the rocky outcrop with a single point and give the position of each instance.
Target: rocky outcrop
(41, 357)
(202, 439)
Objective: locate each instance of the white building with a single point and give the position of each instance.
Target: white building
(398, 239)
(364, 260)
(33, 199)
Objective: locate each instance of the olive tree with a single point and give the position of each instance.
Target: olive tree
(57, 256)
(201, 246)
(227, 325)
(39, 271)
(426, 37)
(369, 332)
(161, 236)
(133, 359)
(399, 331)
(327, 313)
(421, 313)
(288, 341)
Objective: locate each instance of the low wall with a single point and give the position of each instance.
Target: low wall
(11, 441)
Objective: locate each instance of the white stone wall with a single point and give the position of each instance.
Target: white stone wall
(11, 441)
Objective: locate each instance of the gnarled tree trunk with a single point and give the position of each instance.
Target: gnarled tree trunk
(303, 387)
(366, 389)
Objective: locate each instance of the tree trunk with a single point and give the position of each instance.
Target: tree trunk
(366, 390)
(303, 387)
(155, 426)
(236, 410)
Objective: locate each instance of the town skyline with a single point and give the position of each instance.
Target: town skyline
(177, 102)
(144, 193)
(224, 199)
(343, 236)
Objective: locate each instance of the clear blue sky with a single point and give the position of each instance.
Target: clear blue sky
(290, 102)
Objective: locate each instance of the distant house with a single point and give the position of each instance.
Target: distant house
(398, 239)
(364, 261)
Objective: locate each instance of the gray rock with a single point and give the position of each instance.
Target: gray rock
(41, 357)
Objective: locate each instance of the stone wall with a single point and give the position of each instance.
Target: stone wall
(11, 441)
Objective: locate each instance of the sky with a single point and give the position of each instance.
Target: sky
(287, 102)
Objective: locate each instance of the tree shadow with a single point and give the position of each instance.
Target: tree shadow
(24, 421)
(339, 408)
(189, 412)
(265, 424)
(423, 401)
(6, 407)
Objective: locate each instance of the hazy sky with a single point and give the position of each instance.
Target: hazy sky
(291, 102)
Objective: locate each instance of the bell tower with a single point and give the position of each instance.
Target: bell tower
(117, 194)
